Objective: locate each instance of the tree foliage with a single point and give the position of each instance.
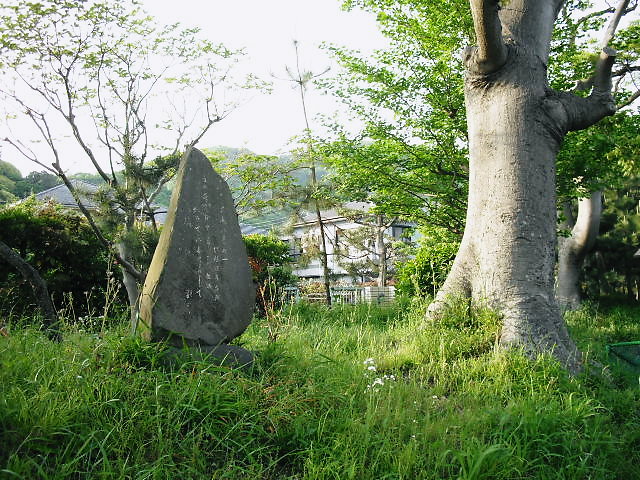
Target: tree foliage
(259, 183)
(424, 274)
(410, 157)
(599, 158)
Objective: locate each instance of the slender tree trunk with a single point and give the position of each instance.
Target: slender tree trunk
(39, 286)
(324, 257)
(131, 286)
(516, 124)
(381, 252)
(302, 80)
(628, 279)
(573, 250)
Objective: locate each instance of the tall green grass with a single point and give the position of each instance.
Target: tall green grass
(361, 392)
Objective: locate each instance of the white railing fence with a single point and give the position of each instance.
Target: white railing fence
(344, 295)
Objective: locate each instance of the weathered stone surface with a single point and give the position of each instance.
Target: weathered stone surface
(230, 356)
(198, 290)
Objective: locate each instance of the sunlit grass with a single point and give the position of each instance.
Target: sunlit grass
(361, 392)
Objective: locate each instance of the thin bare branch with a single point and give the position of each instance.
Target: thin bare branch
(621, 10)
(632, 98)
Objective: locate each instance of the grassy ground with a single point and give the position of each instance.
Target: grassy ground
(352, 393)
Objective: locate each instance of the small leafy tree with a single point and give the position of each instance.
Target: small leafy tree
(313, 195)
(259, 183)
(366, 249)
(131, 94)
(270, 264)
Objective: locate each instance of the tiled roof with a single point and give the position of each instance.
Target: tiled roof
(251, 230)
(334, 213)
(61, 194)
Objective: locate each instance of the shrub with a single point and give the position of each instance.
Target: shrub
(425, 273)
(62, 248)
(270, 264)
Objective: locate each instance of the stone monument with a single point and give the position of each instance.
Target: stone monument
(199, 290)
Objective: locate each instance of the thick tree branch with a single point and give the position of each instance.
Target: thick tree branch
(491, 52)
(584, 112)
(621, 10)
(39, 286)
(602, 76)
(585, 230)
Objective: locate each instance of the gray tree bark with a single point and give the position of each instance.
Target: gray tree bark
(381, 251)
(516, 124)
(573, 250)
(131, 285)
(39, 286)
(324, 256)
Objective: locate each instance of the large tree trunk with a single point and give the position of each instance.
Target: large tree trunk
(573, 250)
(39, 286)
(516, 124)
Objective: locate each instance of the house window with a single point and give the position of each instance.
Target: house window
(400, 232)
(295, 247)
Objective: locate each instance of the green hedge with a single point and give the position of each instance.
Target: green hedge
(62, 248)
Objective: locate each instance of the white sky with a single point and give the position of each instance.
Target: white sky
(266, 29)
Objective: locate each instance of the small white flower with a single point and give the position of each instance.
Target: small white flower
(371, 368)
(369, 361)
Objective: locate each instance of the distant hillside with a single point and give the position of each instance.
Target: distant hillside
(13, 186)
